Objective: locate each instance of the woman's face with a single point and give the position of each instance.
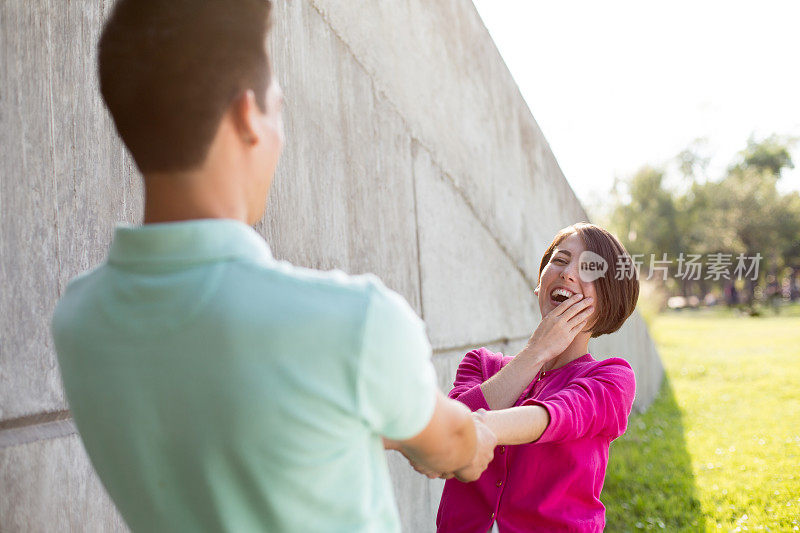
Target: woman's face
(562, 272)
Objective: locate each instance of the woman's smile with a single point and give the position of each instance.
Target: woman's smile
(560, 294)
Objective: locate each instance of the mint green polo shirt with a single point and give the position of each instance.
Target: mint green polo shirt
(217, 389)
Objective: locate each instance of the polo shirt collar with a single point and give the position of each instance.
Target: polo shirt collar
(186, 242)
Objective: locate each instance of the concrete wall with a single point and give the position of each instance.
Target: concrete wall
(410, 154)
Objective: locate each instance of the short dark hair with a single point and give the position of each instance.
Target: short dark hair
(169, 69)
(616, 297)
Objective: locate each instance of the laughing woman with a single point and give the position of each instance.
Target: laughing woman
(554, 408)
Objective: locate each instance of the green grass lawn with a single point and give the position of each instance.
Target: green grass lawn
(719, 449)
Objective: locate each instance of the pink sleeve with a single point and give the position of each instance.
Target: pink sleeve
(592, 405)
(469, 376)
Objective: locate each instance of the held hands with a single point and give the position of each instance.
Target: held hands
(484, 449)
(484, 453)
(389, 444)
(560, 326)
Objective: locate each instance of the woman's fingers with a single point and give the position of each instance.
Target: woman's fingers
(580, 321)
(577, 307)
(566, 304)
(557, 329)
(581, 316)
(577, 327)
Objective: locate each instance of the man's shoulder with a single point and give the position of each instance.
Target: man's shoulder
(303, 279)
(361, 298)
(73, 305)
(81, 286)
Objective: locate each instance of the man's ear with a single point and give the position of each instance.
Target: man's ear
(245, 112)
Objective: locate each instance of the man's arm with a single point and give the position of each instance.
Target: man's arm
(452, 442)
(395, 382)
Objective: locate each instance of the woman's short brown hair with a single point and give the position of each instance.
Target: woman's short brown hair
(617, 290)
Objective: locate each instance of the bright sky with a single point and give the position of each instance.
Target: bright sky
(619, 84)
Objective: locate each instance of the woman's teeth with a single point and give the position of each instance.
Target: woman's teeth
(560, 295)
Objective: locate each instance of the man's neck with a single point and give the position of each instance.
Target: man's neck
(172, 197)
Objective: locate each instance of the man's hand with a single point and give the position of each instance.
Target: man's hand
(484, 453)
(484, 450)
(389, 444)
(427, 472)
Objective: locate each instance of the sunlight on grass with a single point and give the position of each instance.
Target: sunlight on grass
(720, 447)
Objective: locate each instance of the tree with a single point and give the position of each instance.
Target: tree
(742, 213)
(789, 239)
(648, 220)
(750, 202)
(769, 155)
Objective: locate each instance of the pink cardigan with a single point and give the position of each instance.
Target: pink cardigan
(554, 483)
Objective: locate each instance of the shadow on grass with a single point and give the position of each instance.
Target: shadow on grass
(649, 483)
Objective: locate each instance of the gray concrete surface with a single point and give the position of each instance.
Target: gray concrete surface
(410, 154)
(49, 485)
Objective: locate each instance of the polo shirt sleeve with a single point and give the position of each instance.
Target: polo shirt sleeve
(597, 404)
(396, 383)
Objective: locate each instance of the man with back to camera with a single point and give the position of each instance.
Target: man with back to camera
(215, 388)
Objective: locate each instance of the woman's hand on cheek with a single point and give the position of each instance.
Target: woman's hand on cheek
(560, 327)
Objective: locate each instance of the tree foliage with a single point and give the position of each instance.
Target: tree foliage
(743, 212)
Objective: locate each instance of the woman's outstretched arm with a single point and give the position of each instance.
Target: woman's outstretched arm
(597, 404)
(517, 425)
